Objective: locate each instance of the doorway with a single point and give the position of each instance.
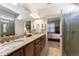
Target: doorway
(53, 36)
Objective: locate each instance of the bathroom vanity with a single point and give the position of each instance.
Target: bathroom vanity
(26, 46)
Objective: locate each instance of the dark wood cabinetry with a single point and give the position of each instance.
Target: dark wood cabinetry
(43, 41)
(40, 43)
(33, 48)
(29, 49)
(38, 46)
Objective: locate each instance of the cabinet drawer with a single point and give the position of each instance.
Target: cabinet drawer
(39, 44)
(38, 40)
(38, 51)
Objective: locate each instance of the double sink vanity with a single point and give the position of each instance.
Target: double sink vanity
(24, 46)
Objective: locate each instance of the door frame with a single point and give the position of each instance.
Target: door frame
(61, 33)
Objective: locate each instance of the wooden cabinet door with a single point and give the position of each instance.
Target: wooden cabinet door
(38, 51)
(19, 52)
(29, 50)
(39, 46)
(43, 41)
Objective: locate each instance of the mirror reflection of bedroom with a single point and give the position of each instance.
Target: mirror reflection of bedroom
(53, 35)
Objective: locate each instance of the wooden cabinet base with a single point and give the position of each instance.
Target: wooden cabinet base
(29, 50)
(32, 49)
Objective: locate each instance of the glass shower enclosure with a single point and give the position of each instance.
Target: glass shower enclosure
(70, 40)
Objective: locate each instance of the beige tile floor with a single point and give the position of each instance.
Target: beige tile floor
(53, 49)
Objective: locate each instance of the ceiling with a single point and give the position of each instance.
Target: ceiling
(50, 9)
(8, 12)
(22, 13)
(47, 10)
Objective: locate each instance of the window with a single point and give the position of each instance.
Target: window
(51, 27)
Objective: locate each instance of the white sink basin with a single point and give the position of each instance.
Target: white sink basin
(10, 45)
(14, 43)
(3, 49)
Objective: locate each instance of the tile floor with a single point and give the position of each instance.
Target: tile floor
(53, 49)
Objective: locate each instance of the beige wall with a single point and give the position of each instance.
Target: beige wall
(40, 22)
(19, 27)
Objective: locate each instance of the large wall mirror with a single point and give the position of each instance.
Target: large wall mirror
(7, 27)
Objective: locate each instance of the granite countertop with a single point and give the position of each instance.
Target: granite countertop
(10, 47)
